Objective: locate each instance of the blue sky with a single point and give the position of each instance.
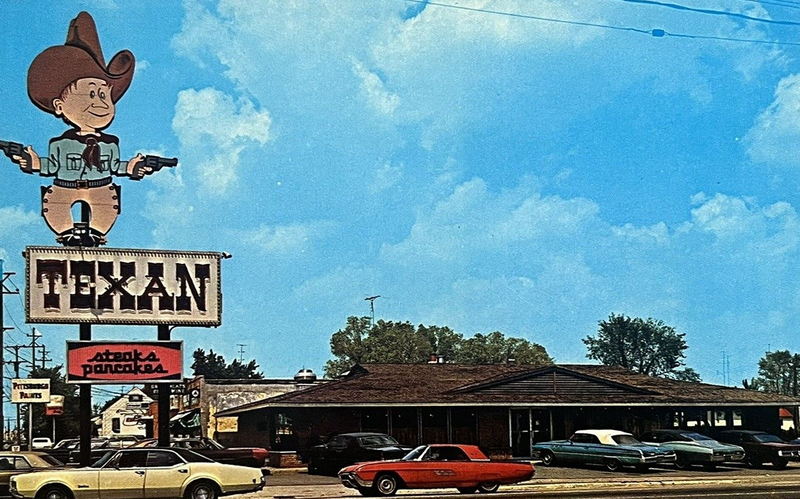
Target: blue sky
(480, 171)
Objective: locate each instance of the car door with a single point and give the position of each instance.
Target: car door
(122, 477)
(442, 466)
(336, 452)
(166, 474)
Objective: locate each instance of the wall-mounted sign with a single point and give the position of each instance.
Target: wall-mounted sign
(122, 286)
(108, 362)
(30, 390)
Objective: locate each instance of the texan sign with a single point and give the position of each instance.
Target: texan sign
(124, 362)
(122, 286)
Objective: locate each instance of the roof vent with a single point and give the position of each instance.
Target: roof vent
(305, 376)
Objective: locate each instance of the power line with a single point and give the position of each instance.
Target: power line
(654, 32)
(677, 6)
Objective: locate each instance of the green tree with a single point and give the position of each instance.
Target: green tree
(401, 342)
(644, 346)
(214, 366)
(67, 425)
(778, 373)
(495, 348)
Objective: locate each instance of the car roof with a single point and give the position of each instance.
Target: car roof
(605, 436)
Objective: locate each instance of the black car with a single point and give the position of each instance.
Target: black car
(350, 448)
(762, 447)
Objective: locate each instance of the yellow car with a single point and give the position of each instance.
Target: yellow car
(141, 474)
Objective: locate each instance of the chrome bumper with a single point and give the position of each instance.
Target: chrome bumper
(352, 480)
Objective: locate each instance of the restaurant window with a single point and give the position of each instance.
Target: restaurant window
(404, 425)
(737, 418)
(115, 425)
(374, 420)
(465, 426)
(434, 425)
(720, 418)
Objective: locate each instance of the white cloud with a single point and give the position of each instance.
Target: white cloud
(374, 89)
(13, 218)
(385, 177)
(774, 139)
(287, 240)
(472, 219)
(213, 130)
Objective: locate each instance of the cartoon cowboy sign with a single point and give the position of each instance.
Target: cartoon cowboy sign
(73, 82)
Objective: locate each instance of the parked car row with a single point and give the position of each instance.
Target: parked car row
(68, 451)
(616, 449)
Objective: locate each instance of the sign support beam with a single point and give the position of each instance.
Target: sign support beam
(163, 397)
(85, 408)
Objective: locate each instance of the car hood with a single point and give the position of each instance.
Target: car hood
(711, 444)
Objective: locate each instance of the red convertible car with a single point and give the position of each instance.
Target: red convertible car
(464, 467)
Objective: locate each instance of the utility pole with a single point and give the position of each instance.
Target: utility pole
(16, 363)
(241, 352)
(4, 290)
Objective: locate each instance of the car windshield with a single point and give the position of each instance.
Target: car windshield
(64, 443)
(377, 440)
(767, 438)
(625, 440)
(415, 454)
(696, 436)
(214, 444)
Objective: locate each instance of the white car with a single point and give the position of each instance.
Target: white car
(41, 443)
(138, 474)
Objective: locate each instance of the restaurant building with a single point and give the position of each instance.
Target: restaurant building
(502, 408)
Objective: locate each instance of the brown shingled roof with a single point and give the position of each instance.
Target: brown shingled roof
(505, 385)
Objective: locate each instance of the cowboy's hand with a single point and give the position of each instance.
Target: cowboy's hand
(138, 173)
(35, 163)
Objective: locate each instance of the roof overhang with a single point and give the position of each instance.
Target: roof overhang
(676, 405)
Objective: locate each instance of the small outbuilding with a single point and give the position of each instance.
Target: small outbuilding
(502, 408)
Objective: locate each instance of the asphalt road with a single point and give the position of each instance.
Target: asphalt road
(584, 482)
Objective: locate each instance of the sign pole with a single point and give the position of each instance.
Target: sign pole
(163, 397)
(30, 427)
(85, 409)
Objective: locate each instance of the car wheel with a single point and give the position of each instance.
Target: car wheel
(683, 464)
(548, 458)
(467, 490)
(313, 467)
(642, 468)
(612, 465)
(54, 492)
(488, 487)
(201, 490)
(780, 463)
(385, 485)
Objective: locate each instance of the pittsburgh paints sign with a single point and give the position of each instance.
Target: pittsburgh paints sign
(30, 391)
(124, 362)
(122, 286)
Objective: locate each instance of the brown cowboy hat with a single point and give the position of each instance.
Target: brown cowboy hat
(80, 57)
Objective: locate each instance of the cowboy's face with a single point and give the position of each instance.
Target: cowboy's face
(87, 104)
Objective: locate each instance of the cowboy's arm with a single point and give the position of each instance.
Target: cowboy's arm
(25, 157)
